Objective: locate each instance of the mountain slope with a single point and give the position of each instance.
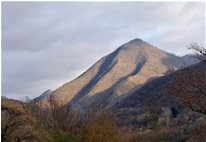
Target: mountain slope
(118, 74)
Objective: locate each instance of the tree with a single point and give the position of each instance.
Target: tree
(199, 51)
(189, 83)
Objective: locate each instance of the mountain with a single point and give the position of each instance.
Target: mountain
(43, 96)
(117, 75)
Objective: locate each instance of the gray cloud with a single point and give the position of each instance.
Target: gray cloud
(45, 44)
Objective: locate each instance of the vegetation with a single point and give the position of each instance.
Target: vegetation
(56, 123)
(22, 123)
(190, 86)
(17, 123)
(190, 83)
(100, 126)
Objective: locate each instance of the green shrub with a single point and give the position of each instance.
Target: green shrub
(65, 137)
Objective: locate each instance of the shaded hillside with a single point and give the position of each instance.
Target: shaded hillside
(152, 95)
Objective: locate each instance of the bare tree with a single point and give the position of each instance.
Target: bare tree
(199, 51)
(63, 117)
(57, 117)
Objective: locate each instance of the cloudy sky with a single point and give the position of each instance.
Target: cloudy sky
(45, 44)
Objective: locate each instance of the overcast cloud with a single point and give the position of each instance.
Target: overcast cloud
(45, 44)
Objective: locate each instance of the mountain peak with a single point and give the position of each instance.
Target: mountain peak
(136, 40)
(135, 45)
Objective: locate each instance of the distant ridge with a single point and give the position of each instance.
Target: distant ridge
(3, 98)
(189, 59)
(43, 96)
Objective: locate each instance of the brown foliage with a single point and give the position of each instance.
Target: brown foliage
(190, 85)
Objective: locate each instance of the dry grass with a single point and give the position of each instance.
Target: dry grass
(100, 126)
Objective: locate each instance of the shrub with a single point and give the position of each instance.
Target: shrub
(100, 126)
